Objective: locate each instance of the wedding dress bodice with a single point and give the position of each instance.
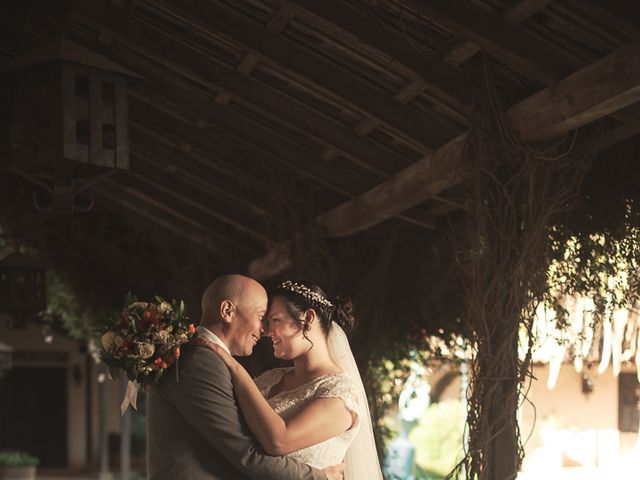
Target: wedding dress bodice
(289, 402)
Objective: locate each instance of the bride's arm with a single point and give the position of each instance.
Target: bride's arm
(319, 420)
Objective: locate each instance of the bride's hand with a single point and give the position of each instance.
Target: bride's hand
(231, 362)
(334, 472)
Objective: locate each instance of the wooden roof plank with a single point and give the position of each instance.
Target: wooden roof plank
(111, 197)
(244, 89)
(515, 14)
(513, 45)
(199, 200)
(572, 107)
(307, 66)
(597, 90)
(443, 80)
(141, 190)
(408, 188)
(222, 120)
(181, 165)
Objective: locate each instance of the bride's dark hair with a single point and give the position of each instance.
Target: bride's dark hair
(300, 296)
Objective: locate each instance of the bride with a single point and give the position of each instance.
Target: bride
(315, 411)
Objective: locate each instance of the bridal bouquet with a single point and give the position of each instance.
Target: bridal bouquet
(145, 339)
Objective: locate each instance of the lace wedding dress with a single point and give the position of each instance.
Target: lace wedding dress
(287, 403)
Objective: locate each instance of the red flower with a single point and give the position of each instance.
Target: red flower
(176, 352)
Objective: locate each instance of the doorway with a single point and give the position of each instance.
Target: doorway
(33, 413)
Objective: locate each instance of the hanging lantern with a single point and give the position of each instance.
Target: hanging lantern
(22, 287)
(66, 119)
(6, 362)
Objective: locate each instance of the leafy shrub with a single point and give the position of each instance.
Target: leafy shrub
(17, 459)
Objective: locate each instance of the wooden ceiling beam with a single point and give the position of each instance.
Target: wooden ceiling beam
(249, 61)
(139, 191)
(620, 19)
(408, 188)
(174, 51)
(271, 144)
(195, 176)
(596, 91)
(197, 140)
(578, 100)
(515, 14)
(440, 79)
(117, 200)
(213, 119)
(181, 164)
(208, 148)
(509, 43)
(307, 67)
(216, 119)
(174, 186)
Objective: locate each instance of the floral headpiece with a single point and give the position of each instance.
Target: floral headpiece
(305, 292)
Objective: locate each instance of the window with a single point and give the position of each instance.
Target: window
(628, 402)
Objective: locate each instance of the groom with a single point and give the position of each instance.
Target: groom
(195, 429)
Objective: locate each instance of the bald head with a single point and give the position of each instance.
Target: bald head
(232, 308)
(236, 288)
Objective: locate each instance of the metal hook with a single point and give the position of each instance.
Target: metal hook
(78, 207)
(41, 207)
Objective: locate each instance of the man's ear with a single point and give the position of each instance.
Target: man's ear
(226, 310)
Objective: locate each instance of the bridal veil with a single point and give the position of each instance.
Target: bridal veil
(361, 461)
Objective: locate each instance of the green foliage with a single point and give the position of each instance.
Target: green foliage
(67, 313)
(17, 459)
(438, 437)
(603, 266)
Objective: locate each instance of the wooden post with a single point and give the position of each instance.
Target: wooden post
(105, 473)
(125, 437)
(88, 385)
(502, 450)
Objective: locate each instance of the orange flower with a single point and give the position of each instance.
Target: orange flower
(192, 329)
(176, 352)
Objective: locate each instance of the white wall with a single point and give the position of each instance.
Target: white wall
(572, 428)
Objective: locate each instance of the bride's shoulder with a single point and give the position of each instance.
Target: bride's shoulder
(340, 386)
(270, 377)
(337, 385)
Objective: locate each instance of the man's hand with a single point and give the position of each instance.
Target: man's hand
(334, 472)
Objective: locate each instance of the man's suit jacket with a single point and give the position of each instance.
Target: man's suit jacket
(196, 432)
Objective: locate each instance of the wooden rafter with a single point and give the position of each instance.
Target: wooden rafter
(304, 65)
(171, 205)
(249, 61)
(205, 146)
(515, 14)
(411, 186)
(201, 201)
(513, 45)
(178, 56)
(598, 90)
(523, 52)
(432, 73)
(216, 119)
(212, 119)
(186, 165)
(573, 106)
(117, 200)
